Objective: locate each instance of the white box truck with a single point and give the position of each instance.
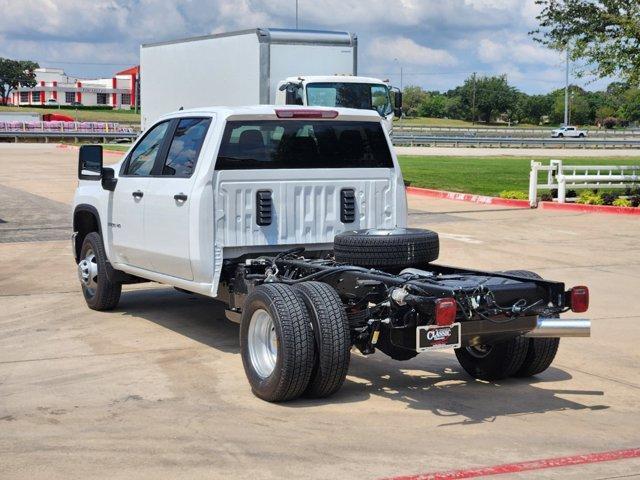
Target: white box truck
(259, 66)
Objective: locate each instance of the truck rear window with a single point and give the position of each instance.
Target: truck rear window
(272, 144)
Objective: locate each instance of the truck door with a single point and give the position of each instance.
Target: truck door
(130, 197)
(168, 198)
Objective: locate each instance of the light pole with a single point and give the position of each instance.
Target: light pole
(566, 91)
(296, 14)
(473, 101)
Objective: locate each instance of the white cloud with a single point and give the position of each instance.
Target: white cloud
(473, 35)
(409, 52)
(516, 49)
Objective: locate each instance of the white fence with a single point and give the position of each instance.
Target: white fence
(560, 177)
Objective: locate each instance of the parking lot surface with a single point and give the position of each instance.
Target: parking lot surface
(156, 389)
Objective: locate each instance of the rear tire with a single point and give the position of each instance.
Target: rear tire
(332, 338)
(276, 342)
(493, 362)
(541, 351)
(99, 291)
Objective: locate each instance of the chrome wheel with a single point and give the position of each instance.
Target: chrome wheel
(263, 343)
(479, 351)
(88, 272)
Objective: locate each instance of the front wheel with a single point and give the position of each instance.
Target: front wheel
(99, 291)
(276, 342)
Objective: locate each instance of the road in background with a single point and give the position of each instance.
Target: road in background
(156, 389)
(516, 152)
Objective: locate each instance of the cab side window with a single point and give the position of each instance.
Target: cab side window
(144, 155)
(185, 147)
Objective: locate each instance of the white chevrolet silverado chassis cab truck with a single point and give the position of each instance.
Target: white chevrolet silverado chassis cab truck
(295, 218)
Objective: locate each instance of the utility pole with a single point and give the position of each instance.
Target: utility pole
(473, 101)
(401, 85)
(566, 91)
(296, 14)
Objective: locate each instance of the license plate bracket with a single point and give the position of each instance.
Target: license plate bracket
(437, 337)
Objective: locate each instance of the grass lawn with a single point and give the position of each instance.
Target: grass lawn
(116, 148)
(123, 116)
(485, 175)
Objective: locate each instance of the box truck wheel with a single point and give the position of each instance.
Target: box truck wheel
(276, 342)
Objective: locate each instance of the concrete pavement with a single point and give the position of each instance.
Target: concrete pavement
(156, 388)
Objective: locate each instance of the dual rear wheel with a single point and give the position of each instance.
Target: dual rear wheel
(294, 341)
(517, 357)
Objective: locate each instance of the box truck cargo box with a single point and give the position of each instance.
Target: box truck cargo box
(247, 67)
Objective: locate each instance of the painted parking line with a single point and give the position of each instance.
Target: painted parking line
(526, 466)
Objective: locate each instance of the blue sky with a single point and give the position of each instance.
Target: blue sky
(438, 43)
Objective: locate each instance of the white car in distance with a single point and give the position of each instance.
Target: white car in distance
(568, 131)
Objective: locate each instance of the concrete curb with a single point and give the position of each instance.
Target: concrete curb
(468, 197)
(577, 207)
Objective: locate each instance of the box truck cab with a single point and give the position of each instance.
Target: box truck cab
(348, 91)
(249, 67)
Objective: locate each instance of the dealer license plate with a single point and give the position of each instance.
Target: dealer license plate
(434, 337)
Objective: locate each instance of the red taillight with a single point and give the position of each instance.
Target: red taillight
(305, 113)
(445, 311)
(579, 299)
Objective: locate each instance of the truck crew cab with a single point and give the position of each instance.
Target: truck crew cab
(295, 218)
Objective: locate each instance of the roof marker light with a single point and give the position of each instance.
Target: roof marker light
(305, 113)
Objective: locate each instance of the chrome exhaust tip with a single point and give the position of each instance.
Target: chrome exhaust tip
(558, 327)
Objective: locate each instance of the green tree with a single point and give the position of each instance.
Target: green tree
(434, 105)
(580, 110)
(493, 96)
(14, 73)
(630, 109)
(604, 33)
(412, 97)
(536, 107)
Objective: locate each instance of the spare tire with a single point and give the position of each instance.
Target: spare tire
(376, 248)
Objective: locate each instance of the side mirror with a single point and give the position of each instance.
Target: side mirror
(397, 103)
(108, 179)
(90, 162)
(293, 96)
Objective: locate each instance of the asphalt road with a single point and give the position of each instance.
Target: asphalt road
(156, 388)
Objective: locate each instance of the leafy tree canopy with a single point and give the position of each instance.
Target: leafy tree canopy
(14, 73)
(604, 33)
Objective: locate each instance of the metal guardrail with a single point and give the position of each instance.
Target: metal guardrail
(76, 136)
(577, 177)
(403, 139)
(509, 132)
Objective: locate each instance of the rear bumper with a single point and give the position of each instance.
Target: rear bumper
(486, 332)
(557, 327)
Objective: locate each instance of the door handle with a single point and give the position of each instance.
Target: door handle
(137, 194)
(181, 197)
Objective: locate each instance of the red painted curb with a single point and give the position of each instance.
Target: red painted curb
(581, 208)
(526, 466)
(468, 197)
